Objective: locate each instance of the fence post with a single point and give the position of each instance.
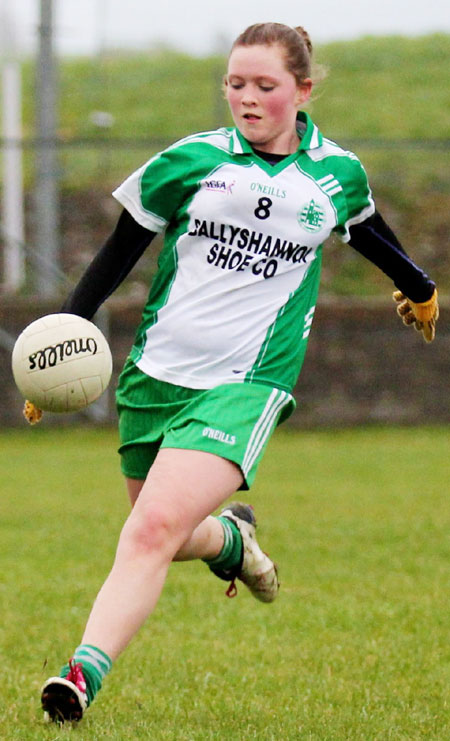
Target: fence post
(46, 189)
(12, 210)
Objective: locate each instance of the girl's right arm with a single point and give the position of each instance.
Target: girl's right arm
(109, 267)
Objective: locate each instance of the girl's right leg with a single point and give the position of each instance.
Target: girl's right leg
(183, 487)
(169, 520)
(205, 542)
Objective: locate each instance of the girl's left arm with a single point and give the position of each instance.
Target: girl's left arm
(374, 239)
(417, 295)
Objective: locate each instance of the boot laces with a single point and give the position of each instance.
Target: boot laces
(76, 676)
(232, 589)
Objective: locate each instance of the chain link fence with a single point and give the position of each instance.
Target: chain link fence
(362, 366)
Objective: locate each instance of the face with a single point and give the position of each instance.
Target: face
(264, 97)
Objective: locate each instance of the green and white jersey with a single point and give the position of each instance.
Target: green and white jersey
(234, 295)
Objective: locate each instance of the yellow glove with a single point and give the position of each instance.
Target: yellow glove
(424, 315)
(32, 414)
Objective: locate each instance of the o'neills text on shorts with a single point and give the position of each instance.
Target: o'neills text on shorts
(223, 437)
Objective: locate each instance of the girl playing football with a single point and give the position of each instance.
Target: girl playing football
(245, 211)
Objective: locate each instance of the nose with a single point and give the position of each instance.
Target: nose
(248, 100)
(249, 97)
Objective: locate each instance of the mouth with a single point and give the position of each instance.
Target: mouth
(251, 117)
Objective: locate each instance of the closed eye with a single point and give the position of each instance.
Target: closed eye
(239, 85)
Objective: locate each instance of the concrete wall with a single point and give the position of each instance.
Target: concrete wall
(362, 366)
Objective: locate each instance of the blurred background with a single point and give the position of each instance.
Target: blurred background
(92, 88)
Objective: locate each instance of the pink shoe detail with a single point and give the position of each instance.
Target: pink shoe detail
(76, 675)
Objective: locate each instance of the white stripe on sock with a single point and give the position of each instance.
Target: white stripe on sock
(95, 658)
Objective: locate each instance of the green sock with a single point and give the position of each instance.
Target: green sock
(96, 665)
(231, 554)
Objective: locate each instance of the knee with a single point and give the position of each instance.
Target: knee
(153, 529)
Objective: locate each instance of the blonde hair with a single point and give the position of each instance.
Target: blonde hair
(295, 42)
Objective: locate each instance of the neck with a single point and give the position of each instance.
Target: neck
(282, 145)
(272, 159)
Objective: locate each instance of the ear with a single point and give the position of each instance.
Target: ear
(304, 91)
(225, 86)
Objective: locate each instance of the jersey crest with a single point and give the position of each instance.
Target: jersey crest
(312, 216)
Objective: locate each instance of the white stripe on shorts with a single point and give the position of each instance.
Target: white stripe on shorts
(276, 401)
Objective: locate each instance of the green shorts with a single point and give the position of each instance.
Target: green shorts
(234, 421)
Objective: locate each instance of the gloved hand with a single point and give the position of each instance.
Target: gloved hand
(32, 413)
(423, 315)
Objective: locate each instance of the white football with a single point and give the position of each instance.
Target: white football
(61, 363)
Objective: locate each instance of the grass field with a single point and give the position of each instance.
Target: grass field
(355, 648)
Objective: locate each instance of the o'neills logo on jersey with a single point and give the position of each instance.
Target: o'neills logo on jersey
(268, 190)
(219, 435)
(219, 186)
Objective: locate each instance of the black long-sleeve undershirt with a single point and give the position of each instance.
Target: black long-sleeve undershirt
(109, 268)
(372, 238)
